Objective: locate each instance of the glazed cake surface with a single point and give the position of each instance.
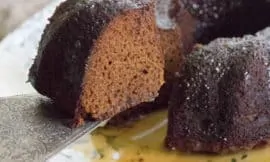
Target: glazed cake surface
(220, 101)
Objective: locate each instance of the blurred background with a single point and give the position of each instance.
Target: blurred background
(14, 12)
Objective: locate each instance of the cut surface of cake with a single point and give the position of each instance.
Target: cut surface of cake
(220, 101)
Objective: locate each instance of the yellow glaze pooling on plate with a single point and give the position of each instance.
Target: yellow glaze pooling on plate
(142, 141)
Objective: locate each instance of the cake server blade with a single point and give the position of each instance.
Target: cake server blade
(31, 129)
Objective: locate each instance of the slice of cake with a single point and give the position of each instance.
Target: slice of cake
(220, 101)
(98, 58)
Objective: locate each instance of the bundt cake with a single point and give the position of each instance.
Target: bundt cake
(220, 101)
(100, 57)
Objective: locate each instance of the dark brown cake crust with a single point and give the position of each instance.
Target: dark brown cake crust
(223, 18)
(220, 103)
